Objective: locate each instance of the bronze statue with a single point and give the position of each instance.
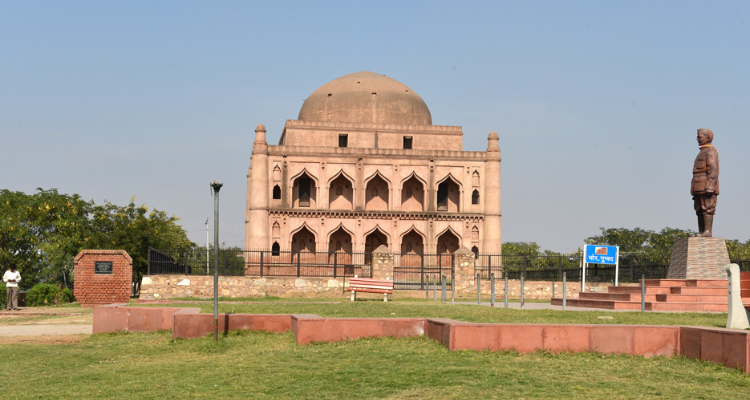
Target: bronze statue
(705, 184)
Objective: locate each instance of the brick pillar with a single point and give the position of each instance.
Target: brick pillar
(102, 277)
(382, 263)
(463, 268)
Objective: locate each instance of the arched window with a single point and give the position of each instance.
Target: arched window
(275, 249)
(475, 250)
(475, 197)
(276, 192)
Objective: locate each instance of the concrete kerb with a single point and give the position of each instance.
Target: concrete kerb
(723, 346)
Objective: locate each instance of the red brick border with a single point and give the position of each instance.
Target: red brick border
(722, 346)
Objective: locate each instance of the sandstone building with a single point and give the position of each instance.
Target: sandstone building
(363, 166)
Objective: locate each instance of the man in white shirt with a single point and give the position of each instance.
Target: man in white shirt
(11, 279)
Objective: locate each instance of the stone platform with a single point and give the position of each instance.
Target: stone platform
(688, 295)
(699, 258)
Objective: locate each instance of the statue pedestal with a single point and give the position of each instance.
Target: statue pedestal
(699, 258)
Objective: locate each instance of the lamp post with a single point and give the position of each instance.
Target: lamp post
(216, 186)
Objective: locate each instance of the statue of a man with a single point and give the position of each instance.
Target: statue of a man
(705, 184)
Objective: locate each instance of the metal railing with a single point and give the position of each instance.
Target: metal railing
(311, 264)
(413, 271)
(259, 263)
(410, 271)
(551, 268)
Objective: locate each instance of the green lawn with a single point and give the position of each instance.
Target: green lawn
(402, 308)
(271, 366)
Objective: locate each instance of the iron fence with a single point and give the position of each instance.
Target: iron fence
(310, 264)
(552, 267)
(259, 263)
(413, 271)
(410, 271)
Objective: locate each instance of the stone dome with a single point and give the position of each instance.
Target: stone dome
(365, 97)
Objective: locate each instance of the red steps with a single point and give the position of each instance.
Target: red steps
(686, 295)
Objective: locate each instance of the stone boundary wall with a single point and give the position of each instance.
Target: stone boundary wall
(165, 287)
(728, 347)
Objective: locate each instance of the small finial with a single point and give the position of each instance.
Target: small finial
(492, 142)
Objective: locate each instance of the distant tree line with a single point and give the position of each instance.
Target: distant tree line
(41, 233)
(632, 242)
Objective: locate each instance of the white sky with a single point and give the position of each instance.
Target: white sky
(596, 102)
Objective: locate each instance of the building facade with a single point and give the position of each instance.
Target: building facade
(363, 166)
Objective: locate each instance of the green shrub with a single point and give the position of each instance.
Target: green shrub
(42, 294)
(3, 296)
(67, 296)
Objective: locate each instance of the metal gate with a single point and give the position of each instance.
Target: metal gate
(413, 271)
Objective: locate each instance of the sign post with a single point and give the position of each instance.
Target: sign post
(596, 254)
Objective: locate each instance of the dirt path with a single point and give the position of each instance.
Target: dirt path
(45, 325)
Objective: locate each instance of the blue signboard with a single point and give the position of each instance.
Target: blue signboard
(596, 254)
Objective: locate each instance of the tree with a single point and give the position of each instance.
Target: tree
(41, 233)
(134, 229)
(738, 250)
(640, 241)
(521, 248)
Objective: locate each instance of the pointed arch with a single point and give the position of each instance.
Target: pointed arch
(276, 230)
(340, 244)
(414, 174)
(448, 194)
(377, 192)
(304, 189)
(341, 192)
(376, 174)
(340, 173)
(304, 171)
(413, 193)
(304, 244)
(414, 229)
(339, 226)
(447, 242)
(304, 225)
(450, 176)
(276, 173)
(475, 178)
(379, 229)
(375, 238)
(449, 228)
(412, 248)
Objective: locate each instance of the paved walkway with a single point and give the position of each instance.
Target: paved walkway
(45, 330)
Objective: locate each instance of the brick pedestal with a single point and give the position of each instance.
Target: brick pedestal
(108, 282)
(699, 258)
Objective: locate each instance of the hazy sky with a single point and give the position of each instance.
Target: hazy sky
(596, 102)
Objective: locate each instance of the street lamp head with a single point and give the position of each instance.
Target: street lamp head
(216, 186)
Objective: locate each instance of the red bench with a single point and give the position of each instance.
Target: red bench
(366, 285)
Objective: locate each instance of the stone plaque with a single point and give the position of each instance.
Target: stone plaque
(103, 267)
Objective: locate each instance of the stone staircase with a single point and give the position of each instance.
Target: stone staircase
(686, 295)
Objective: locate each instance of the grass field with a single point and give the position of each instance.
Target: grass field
(403, 308)
(260, 365)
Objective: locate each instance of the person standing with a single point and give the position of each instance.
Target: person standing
(11, 279)
(705, 184)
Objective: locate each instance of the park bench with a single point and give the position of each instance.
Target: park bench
(366, 285)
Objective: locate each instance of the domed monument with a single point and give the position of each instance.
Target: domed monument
(363, 166)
